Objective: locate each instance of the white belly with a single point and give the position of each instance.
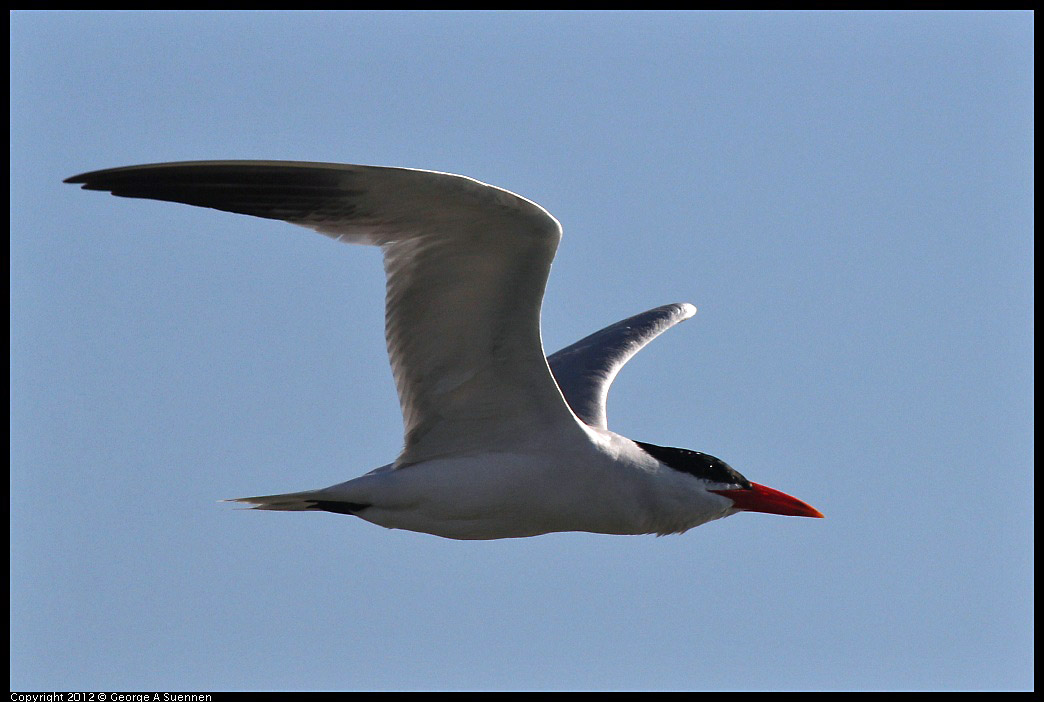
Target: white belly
(497, 496)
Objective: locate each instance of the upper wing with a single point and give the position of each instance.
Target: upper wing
(586, 369)
(466, 267)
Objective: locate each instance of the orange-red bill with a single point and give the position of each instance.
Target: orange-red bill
(760, 498)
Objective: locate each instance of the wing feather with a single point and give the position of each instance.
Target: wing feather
(466, 267)
(585, 370)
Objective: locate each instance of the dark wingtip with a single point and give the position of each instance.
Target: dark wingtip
(88, 181)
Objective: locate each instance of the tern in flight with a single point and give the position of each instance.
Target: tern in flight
(500, 441)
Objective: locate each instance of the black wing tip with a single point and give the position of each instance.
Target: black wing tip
(76, 179)
(110, 178)
(95, 180)
(102, 179)
(275, 173)
(88, 181)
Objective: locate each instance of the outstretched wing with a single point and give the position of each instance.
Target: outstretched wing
(466, 267)
(585, 370)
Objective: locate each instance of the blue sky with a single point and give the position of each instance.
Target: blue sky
(846, 197)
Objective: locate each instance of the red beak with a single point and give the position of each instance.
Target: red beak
(764, 499)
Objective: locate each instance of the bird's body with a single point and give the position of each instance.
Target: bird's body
(499, 441)
(604, 484)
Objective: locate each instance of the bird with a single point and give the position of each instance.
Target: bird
(500, 441)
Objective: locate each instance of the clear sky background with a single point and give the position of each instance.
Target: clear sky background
(846, 197)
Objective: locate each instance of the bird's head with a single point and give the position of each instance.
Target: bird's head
(745, 495)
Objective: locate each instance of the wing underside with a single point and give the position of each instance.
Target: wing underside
(466, 267)
(585, 370)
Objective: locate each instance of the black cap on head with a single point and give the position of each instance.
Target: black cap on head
(701, 465)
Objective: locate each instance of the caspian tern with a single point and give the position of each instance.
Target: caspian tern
(500, 441)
